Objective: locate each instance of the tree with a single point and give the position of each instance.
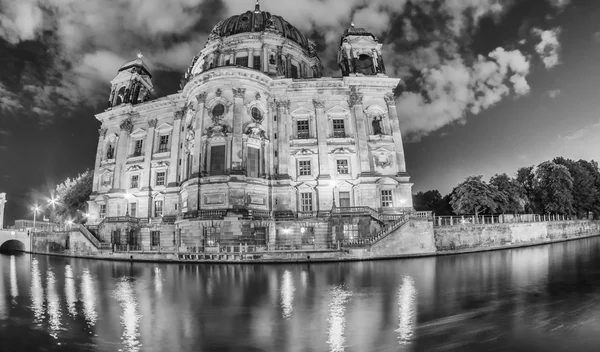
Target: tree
(554, 184)
(526, 180)
(73, 195)
(592, 168)
(474, 196)
(432, 201)
(511, 197)
(584, 192)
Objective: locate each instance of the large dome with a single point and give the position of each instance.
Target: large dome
(259, 21)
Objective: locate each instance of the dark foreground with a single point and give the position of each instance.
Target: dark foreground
(544, 298)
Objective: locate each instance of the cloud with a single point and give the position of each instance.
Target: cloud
(19, 20)
(553, 93)
(8, 100)
(548, 47)
(455, 88)
(578, 134)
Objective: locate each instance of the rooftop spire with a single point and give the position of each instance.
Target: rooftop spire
(139, 55)
(257, 7)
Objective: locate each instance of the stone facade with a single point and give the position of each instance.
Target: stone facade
(256, 145)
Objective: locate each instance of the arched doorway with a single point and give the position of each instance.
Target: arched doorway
(12, 246)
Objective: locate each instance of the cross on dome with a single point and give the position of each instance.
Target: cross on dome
(257, 7)
(139, 55)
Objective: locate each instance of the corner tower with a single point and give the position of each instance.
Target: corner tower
(360, 53)
(132, 85)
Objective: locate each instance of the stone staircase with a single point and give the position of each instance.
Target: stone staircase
(383, 233)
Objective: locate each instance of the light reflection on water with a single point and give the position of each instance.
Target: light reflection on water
(14, 288)
(37, 292)
(337, 318)
(130, 318)
(54, 313)
(287, 294)
(89, 298)
(70, 293)
(407, 296)
(158, 281)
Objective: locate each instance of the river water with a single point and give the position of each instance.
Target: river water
(544, 298)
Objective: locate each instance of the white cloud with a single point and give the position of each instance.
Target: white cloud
(548, 47)
(19, 20)
(553, 93)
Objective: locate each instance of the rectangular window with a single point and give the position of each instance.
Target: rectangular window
(256, 64)
(342, 166)
(137, 148)
(160, 178)
(133, 210)
(304, 168)
(306, 201)
(386, 198)
(102, 211)
(253, 162)
(227, 62)
(217, 160)
(294, 71)
(155, 238)
(134, 181)
(303, 131)
(163, 146)
(242, 61)
(339, 131)
(158, 208)
(350, 232)
(344, 199)
(212, 235)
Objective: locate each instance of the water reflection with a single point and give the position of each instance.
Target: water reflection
(37, 292)
(70, 293)
(158, 281)
(3, 293)
(130, 318)
(287, 294)
(407, 295)
(54, 313)
(89, 298)
(337, 318)
(14, 289)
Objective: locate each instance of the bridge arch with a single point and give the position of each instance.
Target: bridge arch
(12, 245)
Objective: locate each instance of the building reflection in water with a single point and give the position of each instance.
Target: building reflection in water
(407, 297)
(337, 318)
(89, 298)
(130, 318)
(158, 281)
(54, 313)
(70, 292)
(14, 288)
(37, 292)
(287, 294)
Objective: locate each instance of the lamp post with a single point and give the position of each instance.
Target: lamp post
(35, 209)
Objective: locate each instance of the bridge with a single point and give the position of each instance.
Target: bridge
(13, 240)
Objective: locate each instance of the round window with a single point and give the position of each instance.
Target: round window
(256, 113)
(218, 110)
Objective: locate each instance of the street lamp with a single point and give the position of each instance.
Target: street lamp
(35, 209)
(332, 183)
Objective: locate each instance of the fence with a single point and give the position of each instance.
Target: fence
(496, 219)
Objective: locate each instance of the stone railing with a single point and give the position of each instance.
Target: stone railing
(381, 234)
(462, 220)
(87, 234)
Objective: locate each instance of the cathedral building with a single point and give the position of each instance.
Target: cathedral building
(257, 147)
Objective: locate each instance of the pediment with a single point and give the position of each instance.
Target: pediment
(138, 133)
(305, 187)
(160, 164)
(106, 170)
(342, 150)
(303, 151)
(337, 110)
(134, 168)
(302, 111)
(387, 181)
(164, 127)
(381, 150)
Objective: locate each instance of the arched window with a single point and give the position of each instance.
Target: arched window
(256, 114)
(364, 64)
(218, 110)
(120, 96)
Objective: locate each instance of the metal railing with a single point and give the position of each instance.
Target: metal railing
(462, 220)
(87, 234)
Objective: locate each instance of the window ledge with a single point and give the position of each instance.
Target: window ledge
(306, 178)
(380, 137)
(107, 161)
(133, 159)
(161, 155)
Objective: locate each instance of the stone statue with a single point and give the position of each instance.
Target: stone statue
(190, 140)
(377, 126)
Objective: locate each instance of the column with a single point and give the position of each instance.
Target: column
(283, 138)
(356, 107)
(122, 147)
(288, 66)
(175, 150)
(251, 58)
(201, 99)
(148, 150)
(321, 126)
(396, 134)
(99, 156)
(265, 58)
(236, 145)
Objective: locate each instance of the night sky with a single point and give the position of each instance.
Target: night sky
(490, 85)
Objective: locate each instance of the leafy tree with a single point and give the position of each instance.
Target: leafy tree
(73, 195)
(592, 168)
(511, 197)
(526, 180)
(554, 184)
(584, 190)
(432, 201)
(474, 196)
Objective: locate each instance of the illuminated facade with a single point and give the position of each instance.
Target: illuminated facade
(257, 147)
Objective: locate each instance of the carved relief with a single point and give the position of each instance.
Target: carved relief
(190, 113)
(257, 96)
(254, 130)
(178, 115)
(106, 180)
(218, 92)
(239, 92)
(389, 98)
(319, 104)
(283, 104)
(102, 132)
(218, 198)
(382, 157)
(152, 123)
(127, 125)
(201, 98)
(189, 141)
(355, 97)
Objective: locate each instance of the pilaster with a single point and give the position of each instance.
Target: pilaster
(99, 152)
(355, 101)
(175, 150)
(149, 148)
(238, 111)
(321, 126)
(126, 128)
(396, 133)
(283, 108)
(201, 99)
